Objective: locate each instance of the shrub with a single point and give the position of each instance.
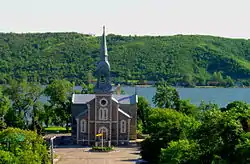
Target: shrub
(7, 157)
(181, 151)
(102, 149)
(23, 146)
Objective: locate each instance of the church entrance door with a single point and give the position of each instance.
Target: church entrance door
(104, 131)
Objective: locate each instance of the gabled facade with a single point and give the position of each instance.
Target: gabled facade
(112, 115)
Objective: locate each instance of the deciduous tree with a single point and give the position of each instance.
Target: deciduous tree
(24, 97)
(143, 111)
(166, 97)
(60, 94)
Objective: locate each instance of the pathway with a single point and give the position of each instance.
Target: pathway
(126, 155)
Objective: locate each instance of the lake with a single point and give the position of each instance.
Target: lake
(220, 96)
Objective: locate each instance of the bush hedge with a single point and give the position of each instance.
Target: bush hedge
(102, 149)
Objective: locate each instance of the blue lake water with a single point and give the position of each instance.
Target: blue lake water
(220, 96)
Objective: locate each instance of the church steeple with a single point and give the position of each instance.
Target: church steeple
(102, 72)
(104, 51)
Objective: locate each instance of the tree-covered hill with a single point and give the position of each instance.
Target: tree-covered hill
(182, 59)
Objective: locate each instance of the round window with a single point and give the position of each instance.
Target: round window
(103, 102)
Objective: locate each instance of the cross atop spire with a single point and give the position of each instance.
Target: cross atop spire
(104, 51)
(103, 29)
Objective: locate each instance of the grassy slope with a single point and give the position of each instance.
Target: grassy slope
(48, 56)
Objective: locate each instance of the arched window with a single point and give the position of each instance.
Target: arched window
(123, 126)
(100, 113)
(103, 114)
(83, 125)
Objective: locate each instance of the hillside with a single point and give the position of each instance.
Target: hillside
(192, 60)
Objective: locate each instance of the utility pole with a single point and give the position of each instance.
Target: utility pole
(52, 149)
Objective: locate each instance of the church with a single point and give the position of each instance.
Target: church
(114, 116)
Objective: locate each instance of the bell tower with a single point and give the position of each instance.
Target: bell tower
(102, 72)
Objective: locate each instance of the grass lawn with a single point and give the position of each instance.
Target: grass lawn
(54, 129)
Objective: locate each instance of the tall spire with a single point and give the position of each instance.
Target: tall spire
(102, 72)
(104, 51)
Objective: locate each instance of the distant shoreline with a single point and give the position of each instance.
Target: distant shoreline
(147, 86)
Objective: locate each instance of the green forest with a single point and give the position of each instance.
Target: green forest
(186, 60)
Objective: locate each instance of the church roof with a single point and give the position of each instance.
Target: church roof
(127, 115)
(122, 99)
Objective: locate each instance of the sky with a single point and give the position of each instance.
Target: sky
(226, 18)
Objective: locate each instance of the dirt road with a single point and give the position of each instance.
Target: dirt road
(83, 156)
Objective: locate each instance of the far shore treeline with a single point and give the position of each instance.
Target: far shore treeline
(180, 60)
